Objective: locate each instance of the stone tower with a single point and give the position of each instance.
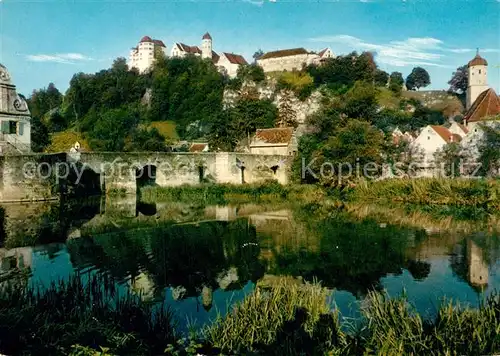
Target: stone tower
(206, 46)
(477, 69)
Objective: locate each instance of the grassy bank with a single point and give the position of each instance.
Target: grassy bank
(431, 191)
(215, 194)
(288, 317)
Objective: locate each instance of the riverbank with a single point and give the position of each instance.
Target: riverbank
(482, 194)
(288, 317)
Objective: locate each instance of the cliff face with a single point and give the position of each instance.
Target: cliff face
(268, 91)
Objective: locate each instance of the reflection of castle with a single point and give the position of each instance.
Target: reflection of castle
(477, 267)
(16, 258)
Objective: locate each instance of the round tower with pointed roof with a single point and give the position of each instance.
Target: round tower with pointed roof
(206, 46)
(477, 70)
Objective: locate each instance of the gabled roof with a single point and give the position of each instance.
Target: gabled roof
(284, 53)
(235, 58)
(215, 57)
(207, 36)
(323, 52)
(189, 49)
(146, 39)
(464, 129)
(198, 147)
(274, 136)
(486, 104)
(445, 134)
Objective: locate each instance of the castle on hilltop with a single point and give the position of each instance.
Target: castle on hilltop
(142, 56)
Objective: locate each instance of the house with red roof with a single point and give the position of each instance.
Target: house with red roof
(143, 55)
(228, 63)
(274, 141)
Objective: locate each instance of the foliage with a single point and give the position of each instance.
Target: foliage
(459, 81)
(489, 150)
(166, 128)
(39, 135)
(287, 117)
(360, 102)
(396, 82)
(145, 140)
(89, 313)
(241, 121)
(44, 100)
(418, 78)
(63, 141)
(252, 72)
(343, 71)
(301, 83)
(187, 91)
(380, 78)
(449, 159)
(259, 53)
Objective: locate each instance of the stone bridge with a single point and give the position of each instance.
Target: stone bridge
(42, 176)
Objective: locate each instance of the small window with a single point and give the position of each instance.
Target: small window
(12, 127)
(479, 71)
(428, 137)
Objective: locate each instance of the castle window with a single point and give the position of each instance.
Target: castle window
(479, 71)
(428, 137)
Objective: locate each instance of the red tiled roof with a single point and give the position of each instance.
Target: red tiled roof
(215, 57)
(198, 147)
(276, 135)
(235, 58)
(189, 49)
(486, 104)
(446, 134)
(284, 53)
(146, 39)
(207, 36)
(478, 61)
(159, 43)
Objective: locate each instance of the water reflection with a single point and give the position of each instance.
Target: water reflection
(200, 259)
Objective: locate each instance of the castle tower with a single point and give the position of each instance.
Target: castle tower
(206, 46)
(477, 69)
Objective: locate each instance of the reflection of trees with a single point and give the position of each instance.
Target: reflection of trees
(352, 255)
(192, 255)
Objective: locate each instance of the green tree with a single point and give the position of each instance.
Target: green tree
(44, 100)
(361, 101)
(40, 137)
(418, 78)
(252, 72)
(381, 78)
(396, 82)
(459, 81)
(259, 53)
(287, 116)
(489, 150)
(449, 160)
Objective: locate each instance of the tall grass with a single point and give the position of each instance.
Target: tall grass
(432, 191)
(293, 319)
(215, 194)
(52, 320)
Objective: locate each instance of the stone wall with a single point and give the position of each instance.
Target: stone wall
(41, 177)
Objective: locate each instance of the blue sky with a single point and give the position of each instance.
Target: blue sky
(49, 41)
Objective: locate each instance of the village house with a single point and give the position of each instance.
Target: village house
(15, 118)
(198, 147)
(227, 63)
(142, 56)
(275, 141)
(430, 140)
(292, 59)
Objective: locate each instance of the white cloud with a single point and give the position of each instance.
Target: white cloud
(66, 58)
(255, 2)
(412, 51)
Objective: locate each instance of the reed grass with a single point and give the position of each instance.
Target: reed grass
(52, 320)
(431, 191)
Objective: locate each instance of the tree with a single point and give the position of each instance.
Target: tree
(44, 100)
(449, 159)
(252, 72)
(39, 135)
(259, 53)
(489, 150)
(418, 78)
(459, 81)
(381, 78)
(396, 82)
(360, 102)
(287, 116)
